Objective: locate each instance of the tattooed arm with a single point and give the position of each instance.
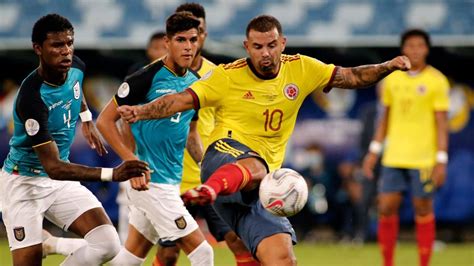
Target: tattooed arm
(366, 75)
(164, 106)
(194, 144)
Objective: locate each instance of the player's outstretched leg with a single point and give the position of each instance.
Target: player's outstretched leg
(246, 174)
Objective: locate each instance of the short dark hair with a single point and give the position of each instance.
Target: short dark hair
(415, 32)
(195, 8)
(47, 24)
(157, 36)
(181, 21)
(264, 23)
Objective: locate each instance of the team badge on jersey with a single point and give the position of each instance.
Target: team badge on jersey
(181, 222)
(123, 90)
(19, 233)
(32, 127)
(421, 89)
(291, 91)
(77, 90)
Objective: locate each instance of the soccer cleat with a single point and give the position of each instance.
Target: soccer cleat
(200, 195)
(49, 243)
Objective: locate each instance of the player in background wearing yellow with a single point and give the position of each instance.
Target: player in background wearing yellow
(414, 128)
(168, 252)
(257, 100)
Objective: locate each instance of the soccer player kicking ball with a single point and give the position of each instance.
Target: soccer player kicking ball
(46, 112)
(414, 126)
(156, 209)
(257, 100)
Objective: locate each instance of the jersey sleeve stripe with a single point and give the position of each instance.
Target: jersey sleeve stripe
(328, 87)
(37, 145)
(196, 102)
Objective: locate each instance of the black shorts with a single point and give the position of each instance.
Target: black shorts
(242, 210)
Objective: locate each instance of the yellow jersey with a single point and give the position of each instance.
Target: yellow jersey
(258, 112)
(411, 132)
(205, 125)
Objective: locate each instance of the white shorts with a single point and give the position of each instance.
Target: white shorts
(159, 213)
(27, 200)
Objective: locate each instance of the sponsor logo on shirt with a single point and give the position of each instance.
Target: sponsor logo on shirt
(32, 127)
(291, 91)
(248, 96)
(54, 105)
(165, 91)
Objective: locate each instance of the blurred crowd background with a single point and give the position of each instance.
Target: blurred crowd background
(333, 130)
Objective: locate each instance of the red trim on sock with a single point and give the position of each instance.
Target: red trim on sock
(387, 234)
(229, 179)
(425, 236)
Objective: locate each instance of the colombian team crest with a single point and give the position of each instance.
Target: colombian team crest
(19, 233)
(291, 91)
(421, 89)
(77, 90)
(181, 222)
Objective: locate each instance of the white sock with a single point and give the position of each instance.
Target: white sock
(66, 246)
(103, 244)
(125, 258)
(203, 255)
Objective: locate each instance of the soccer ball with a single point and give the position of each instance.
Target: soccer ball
(283, 192)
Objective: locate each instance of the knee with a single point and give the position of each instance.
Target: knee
(168, 255)
(104, 241)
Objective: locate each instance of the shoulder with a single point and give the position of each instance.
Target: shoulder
(207, 62)
(435, 73)
(285, 58)
(148, 71)
(29, 91)
(78, 63)
(237, 64)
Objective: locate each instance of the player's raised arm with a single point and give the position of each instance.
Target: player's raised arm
(366, 75)
(162, 107)
(57, 169)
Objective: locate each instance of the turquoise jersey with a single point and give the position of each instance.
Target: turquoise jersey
(43, 113)
(160, 142)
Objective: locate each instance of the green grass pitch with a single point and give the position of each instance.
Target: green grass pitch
(322, 254)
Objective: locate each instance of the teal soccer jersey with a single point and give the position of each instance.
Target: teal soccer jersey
(159, 142)
(43, 113)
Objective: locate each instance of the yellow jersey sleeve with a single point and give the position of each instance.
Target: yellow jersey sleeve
(386, 93)
(321, 74)
(210, 88)
(441, 95)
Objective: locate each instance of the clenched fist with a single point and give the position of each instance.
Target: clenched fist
(129, 169)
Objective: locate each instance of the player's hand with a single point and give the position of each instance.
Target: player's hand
(399, 63)
(141, 182)
(368, 165)
(90, 133)
(438, 176)
(129, 113)
(200, 195)
(129, 169)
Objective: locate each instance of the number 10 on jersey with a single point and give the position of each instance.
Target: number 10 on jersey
(273, 119)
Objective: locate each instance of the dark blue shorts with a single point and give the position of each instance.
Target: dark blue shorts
(242, 210)
(417, 181)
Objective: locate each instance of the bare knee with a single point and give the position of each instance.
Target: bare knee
(168, 255)
(257, 170)
(388, 204)
(276, 250)
(423, 207)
